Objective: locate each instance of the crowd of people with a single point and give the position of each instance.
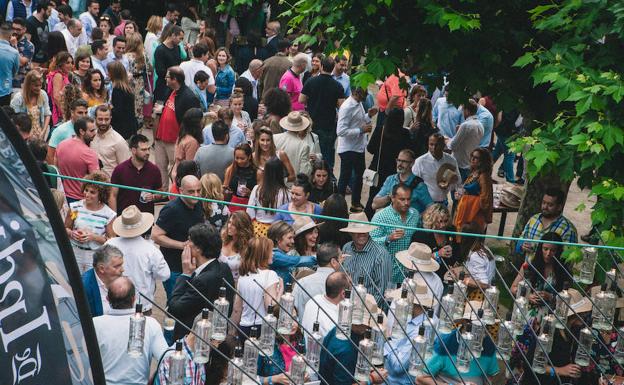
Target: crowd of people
(247, 131)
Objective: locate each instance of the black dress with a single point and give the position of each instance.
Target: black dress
(124, 120)
(429, 239)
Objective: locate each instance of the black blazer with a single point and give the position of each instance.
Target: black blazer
(185, 303)
(184, 100)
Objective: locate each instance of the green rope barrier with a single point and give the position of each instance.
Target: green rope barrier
(325, 217)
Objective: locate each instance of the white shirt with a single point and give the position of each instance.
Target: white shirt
(201, 267)
(433, 282)
(312, 309)
(351, 118)
(192, 67)
(264, 216)
(426, 167)
(253, 294)
(481, 268)
(88, 22)
(466, 139)
(112, 332)
(103, 294)
(100, 65)
(143, 263)
(72, 42)
(254, 82)
(314, 284)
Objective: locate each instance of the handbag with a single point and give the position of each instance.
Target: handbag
(371, 177)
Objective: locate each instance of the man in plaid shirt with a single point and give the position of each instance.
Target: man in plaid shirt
(549, 220)
(393, 239)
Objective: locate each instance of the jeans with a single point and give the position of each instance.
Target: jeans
(501, 148)
(328, 148)
(169, 284)
(351, 161)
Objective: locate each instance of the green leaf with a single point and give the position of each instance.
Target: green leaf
(578, 139)
(523, 60)
(583, 106)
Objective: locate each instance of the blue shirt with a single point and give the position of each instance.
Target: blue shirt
(283, 264)
(9, 65)
(225, 82)
(420, 194)
(345, 352)
(345, 82)
(236, 136)
(446, 116)
(396, 361)
(60, 133)
(487, 120)
(25, 49)
(201, 95)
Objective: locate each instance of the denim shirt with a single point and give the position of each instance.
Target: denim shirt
(225, 82)
(397, 353)
(9, 65)
(283, 264)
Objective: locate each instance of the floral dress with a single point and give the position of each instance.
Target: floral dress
(138, 69)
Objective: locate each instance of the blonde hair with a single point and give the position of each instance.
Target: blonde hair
(154, 24)
(433, 213)
(134, 44)
(32, 77)
(257, 256)
(244, 231)
(211, 188)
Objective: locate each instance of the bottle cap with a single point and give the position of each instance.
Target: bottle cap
(205, 313)
(508, 316)
(361, 280)
(288, 287)
(139, 308)
(399, 285)
(178, 346)
(522, 291)
(546, 328)
(430, 313)
(367, 333)
(404, 293)
(566, 285)
(347, 293)
(254, 332)
(270, 309)
(222, 292)
(410, 273)
(480, 313)
(421, 330)
(462, 275)
(468, 328)
(315, 326)
(603, 287)
(451, 289)
(380, 318)
(238, 352)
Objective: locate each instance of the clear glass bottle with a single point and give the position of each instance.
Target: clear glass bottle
(203, 330)
(298, 368)
(459, 290)
(586, 340)
(235, 370)
(365, 356)
(313, 347)
(447, 310)
(402, 314)
(619, 348)
(377, 336)
(540, 357)
(505, 339)
(548, 328)
(604, 302)
(524, 283)
(410, 285)
(588, 265)
(250, 353)
(478, 331)
(430, 334)
(177, 365)
(490, 304)
(562, 305)
(518, 315)
(345, 312)
(137, 332)
(417, 356)
(464, 355)
(267, 337)
(285, 320)
(219, 316)
(359, 308)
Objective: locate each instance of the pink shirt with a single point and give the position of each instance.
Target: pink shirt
(291, 83)
(75, 159)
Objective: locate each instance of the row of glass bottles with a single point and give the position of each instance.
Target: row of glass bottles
(604, 312)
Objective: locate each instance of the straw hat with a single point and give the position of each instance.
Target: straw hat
(294, 122)
(373, 309)
(303, 224)
(511, 195)
(418, 256)
(422, 296)
(578, 303)
(358, 228)
(132, 222)
(446, 175)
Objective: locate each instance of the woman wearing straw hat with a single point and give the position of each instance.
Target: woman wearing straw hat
(306, 235)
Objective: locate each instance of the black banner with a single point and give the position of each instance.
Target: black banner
(46, 332)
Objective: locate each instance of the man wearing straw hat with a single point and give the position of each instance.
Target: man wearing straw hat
(397, 352)
(399, 213)
(144, 264)
(292, 144)
(366, 258)
(419, 257)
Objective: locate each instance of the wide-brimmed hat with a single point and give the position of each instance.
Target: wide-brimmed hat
(303, 224)
(371, 305)
(132, 222)
(418, 257)
(578, 303)
(511, 195)
(421, 297)
(445, 175)
(294, 122)
(358, 227)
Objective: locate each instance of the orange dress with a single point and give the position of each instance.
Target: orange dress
(477, 202)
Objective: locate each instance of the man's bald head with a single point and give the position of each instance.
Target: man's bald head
(121, 293)
(255, 68)
(335, 284)
(190, 185)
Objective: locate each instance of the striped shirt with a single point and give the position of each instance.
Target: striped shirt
(380, 235)
(194, 374)
(534, 229)
(93, 221)
(373, 263)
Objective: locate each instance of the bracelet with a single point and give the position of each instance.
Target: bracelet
(270, 381)
(552, 371)
(368, 382)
